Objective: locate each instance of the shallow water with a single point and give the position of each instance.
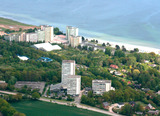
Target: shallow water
(136, 21)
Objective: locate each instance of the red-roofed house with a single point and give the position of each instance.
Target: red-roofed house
(114, 66)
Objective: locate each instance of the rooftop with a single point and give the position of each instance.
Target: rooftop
(68, 61)
(101, 81)
(74, 76)
(47, 46)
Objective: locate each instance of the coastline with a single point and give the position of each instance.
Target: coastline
(142, 49)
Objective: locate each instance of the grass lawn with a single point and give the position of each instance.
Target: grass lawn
(39, 108)
(11, 22)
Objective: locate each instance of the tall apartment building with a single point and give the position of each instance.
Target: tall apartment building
(71, 31)
(75, 40)
(68, 68)
(101, 86)
(49, 34)
(69, 80)
(41, 35)
(22, 36)
(73, 84)
(31, 37)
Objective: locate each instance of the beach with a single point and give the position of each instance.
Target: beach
(142, 49)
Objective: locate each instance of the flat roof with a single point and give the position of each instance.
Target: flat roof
(68, 61)
(74, 76)
(101, 81)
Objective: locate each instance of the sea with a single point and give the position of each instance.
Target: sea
(135, 22)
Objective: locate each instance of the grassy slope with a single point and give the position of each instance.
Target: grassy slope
(39, 108)
(11, 22)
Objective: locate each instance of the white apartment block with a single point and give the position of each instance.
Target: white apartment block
(48, 32)
(101, 86)
(41, 35)
(31, 37)
(71, 31)
(75, 40)
(68, 68)
(73, 84)
(13, 37)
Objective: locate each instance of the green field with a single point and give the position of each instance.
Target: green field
(39, 108)
(5, 21)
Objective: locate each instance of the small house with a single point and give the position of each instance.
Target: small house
(120, 105)
(132, 103)
(149, 107)
(114, 66)
(153, 112)
(106, 105)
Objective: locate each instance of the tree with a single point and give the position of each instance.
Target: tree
(119, 53)
(136, 73)
(136, 50)
(103, 44)
(117, 47)
(108, 51)
(19, 114)
(20, 29)
(124, 49)
(126, 110)
(96, 41)
(131, 61)
(35, 95)
(83, 38)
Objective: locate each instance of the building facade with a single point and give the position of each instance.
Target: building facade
(71, 31)
(41, 35)
(48, 32)
(31, 37)
(73, 84)
(75, 40)
(68, 68)
(101, 86)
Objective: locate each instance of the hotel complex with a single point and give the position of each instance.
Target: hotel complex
(71, 31)
(68, 68)
(45, 34)
(70, 81)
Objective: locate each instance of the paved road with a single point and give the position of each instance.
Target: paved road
(7, 92)
(112, 106)
(45, 93)
(77, 104)
(78, 98)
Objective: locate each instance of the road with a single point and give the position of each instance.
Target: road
(7, 92)
(78, 98)
(69, 104)
(46, 90)
(112, 106)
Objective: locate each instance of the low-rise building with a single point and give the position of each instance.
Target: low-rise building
(93, 46)
(34, 85)
(45, 59)
(106, 105)
(152, 65)
(114, 66)
(46, 47)
(156, 112)
(149, 107)
(120, 105)
(101, 86)
(22, 57)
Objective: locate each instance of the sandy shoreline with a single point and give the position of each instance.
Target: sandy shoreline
(142, 49)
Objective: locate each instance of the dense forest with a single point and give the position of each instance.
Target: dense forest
(97, 66)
